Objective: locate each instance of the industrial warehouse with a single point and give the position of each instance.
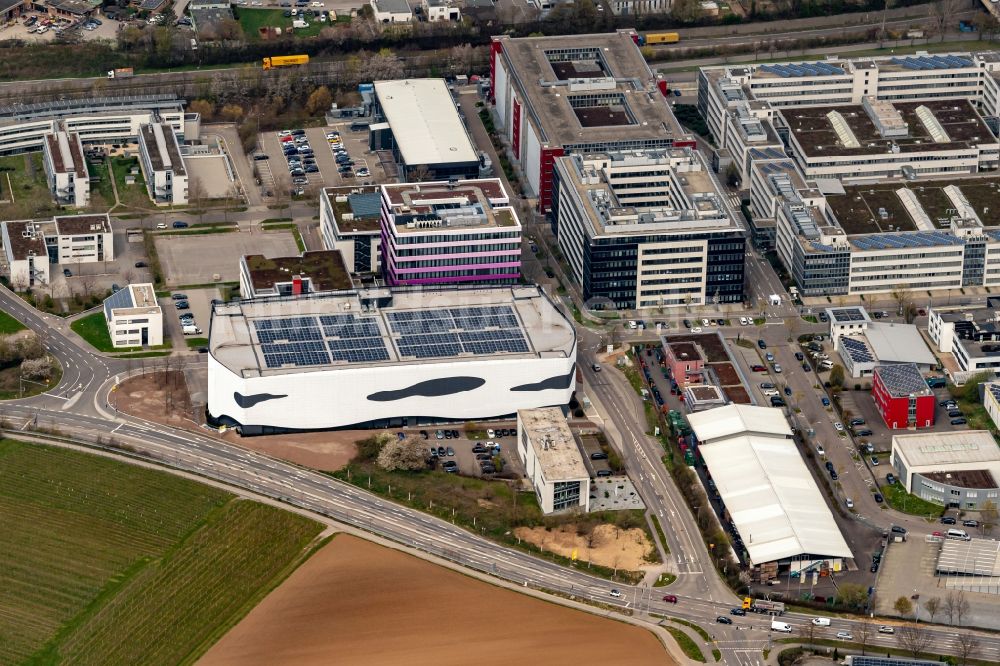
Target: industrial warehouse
(768, 494)
(381, 357)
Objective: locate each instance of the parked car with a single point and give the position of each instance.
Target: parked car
(874, 461)
(890, 478)
(855, 422)
(180, 224)
(182, 305)
(958, 421)
(67, 272)
(955, 413)
(761, 344)
(970, 523)
(820, 450)
(948, 520)
(825, 400)
(878, 498)
(141, 264)
(863, 433)
(600, 455)
(898, 529)
(839, 426)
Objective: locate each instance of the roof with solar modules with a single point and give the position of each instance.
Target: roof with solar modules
(352, 329)
(902, 380)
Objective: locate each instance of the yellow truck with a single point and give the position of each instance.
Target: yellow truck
(662, 38)
(285, 61)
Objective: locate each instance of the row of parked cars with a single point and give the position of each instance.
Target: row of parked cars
(345, 164)
(299, 154)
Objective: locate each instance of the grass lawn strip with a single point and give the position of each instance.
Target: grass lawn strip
(687, 644)
(698, 630)
(9, 325)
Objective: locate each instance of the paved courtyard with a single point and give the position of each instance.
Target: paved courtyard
(196, 258)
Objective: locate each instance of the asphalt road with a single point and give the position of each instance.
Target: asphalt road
(78, 408)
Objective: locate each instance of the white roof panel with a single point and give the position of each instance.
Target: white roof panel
(736, 419)
(773, 500)
(898, 343)
(425, 123)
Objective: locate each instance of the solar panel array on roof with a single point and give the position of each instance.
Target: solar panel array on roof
(365, 205)
(120, 299)
(803, 69)
(902, 379)
(995, 390)
(844, 315)
(303, 341)
(489, 329)
(905, 240)
(932, 62)
(857, 350)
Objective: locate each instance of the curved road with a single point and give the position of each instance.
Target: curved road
(77, 408)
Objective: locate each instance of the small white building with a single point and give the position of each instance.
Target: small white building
(392, 11)
(82, 239)
(847, 321)
(971, 334)
(162, 165)
(26, 254)
(134, 317)
(441, 10)
(350, 221)
(66, 169)
(552, 460)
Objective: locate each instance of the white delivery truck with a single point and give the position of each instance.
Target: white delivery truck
(783, 627)
(192, 330)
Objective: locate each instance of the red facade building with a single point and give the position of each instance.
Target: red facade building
(902, 396)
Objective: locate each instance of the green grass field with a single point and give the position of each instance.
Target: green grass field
(108, 563)
(29, 193)
(94, 329)
(9, 325)
(251, 20)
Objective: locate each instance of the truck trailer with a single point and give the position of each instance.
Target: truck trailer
(769, 607)
(662, 38)
(121, 73)
(285, 61)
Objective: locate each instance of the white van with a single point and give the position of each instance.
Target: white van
(821, 621)
(770, 392)
(783, 627)
(826, 365)
(958, 534)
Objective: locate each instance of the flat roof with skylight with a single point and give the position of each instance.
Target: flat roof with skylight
(938, 125)
(585, 89)
(474, 204)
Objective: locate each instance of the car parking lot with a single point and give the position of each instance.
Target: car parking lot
(461, 452)
(42, 27)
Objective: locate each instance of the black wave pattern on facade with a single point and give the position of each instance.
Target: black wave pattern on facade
(558, 382)
(432, 388)
(247, 401)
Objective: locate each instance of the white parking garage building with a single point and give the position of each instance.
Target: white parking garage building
(552, 460)
(767, 491)
(378, 356)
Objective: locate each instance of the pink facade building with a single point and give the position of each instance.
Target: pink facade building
(460, 231)
(685, 361)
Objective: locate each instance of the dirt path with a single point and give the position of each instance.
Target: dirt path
(358, 603)
(607, 545)
(150, 397)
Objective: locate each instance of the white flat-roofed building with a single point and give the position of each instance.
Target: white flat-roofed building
(425, 133)
(647, 229)
(134, 317)
(552, 460)
(960, 468)
(26, 253)
(377, 356)
(350, 221)
(441, 10)
(66, 169)
(455, 232)
(23, 127)
(767, 490)
(162, 165)
(970, 334)
(392, 11)
(82, 238)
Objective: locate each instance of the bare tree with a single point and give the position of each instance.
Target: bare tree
(967, 644)
(808, 633)
(988, 516)
(950, 606)
(864, 630)
(915, 639)
(943, 13)
(196, 195)
(961, 607)
(902, 297)
(933, 606)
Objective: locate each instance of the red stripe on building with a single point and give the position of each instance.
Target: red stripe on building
(495, 49)
(515, 130)
(546, 167)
